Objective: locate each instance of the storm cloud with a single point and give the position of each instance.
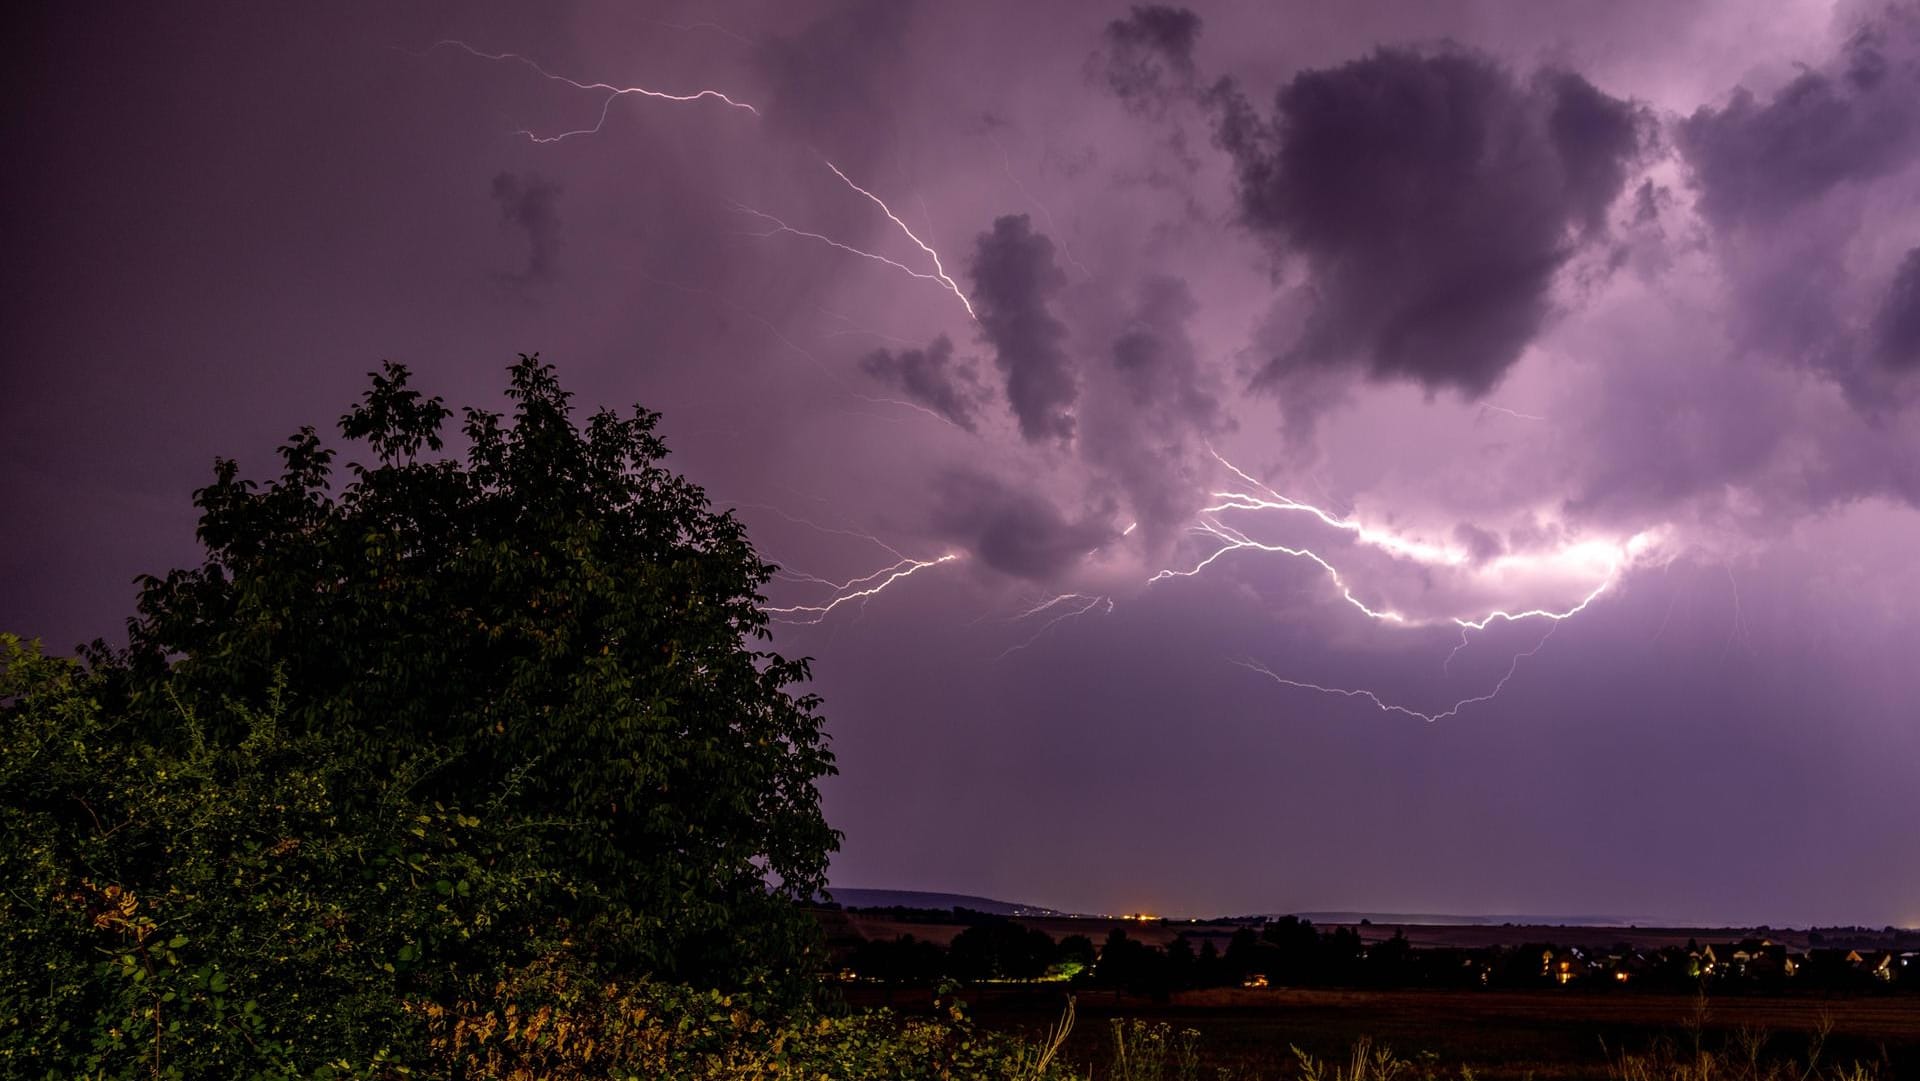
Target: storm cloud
(1015, 279)
(1854, 119)
(1807, 193)
(826, 77)
(1897, 330)
(1433, 197)
(1148, 58)
(1014, 532)
(931, 377)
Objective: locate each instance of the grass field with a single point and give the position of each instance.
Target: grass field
(1500, 1035)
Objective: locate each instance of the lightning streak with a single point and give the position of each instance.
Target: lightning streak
(1387, 542)
(1256, 496)
(614, 92)
(867, 586)
(1266, 499)
(611, 91)
(779, 227)
(1385, 706)
(1544, 613)
(915, 406)
(1064, 601)
(939, 270)
(938, 274)
(1234, 540)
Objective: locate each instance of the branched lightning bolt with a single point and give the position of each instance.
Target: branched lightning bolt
(1259, 497)
(915, 406)
(1446, 666)
(1233, 540)
(1388, 542)
(938, 274)
(1418, 551)
(857, 589)
(1543, 613)
(1063, 601)
(854, 589)
(939, 270)
(1385, 706)
(612, 92)
(777, 227)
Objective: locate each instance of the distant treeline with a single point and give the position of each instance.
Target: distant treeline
(909, 914)
(1292, 952)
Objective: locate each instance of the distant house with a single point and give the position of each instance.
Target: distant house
(1564, 966)
(1748, 957)
(1623, 964)
(1254, 981)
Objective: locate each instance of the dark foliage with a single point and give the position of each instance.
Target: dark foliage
(391, 742)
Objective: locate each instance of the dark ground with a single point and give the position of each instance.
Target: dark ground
(1549, 1034)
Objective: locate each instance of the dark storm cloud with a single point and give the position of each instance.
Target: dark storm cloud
(1793, 184)
(1855, 119)
(1897, 330)
(931, 377)
(1149, 56)
(531, 204)
(1433, 197)
(829, 79)
(1011, 531)
(1014, 278)
(1597, 137)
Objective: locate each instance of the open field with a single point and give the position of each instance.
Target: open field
(1501, 1035)
(878, 926)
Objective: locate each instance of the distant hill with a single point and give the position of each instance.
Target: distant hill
(858, 898)
(852, 898)
(1431, 919)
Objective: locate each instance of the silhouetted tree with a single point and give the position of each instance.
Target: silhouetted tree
(903, 960)
(1243, 955)
(1001, 950)
(395, 741)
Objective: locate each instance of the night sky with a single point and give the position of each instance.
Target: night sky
(1398, 456)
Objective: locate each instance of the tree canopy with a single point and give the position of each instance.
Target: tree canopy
(459, 717)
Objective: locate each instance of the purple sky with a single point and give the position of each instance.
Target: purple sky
(1494, 307)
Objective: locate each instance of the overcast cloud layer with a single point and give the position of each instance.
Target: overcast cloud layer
(1249, 360)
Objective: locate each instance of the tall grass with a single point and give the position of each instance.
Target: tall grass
(1743, 1059)
(1742, 1062)
(1156, 1051)
(1367, 1063)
